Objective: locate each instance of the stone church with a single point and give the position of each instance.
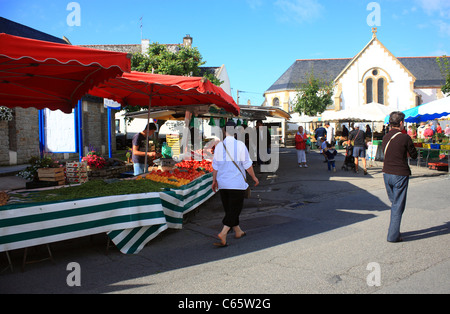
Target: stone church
(373, 75)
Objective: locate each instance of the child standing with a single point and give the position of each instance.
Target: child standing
(330, 153)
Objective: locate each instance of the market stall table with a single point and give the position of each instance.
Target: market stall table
(131, 220)
(422, 151)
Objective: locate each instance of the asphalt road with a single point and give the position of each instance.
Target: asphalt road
(308, 231)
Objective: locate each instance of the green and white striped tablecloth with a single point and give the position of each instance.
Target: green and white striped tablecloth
(175, 203)
(131, 221)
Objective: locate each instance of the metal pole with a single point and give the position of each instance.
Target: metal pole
(109, 133)
(147, 137)
(80, 129)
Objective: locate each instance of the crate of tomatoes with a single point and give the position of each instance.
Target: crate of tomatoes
(202, 165)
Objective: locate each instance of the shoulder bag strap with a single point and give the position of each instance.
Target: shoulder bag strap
(387, 145)
(234, 162)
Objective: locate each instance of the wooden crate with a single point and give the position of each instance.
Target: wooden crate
(76, 172)
(52, 175)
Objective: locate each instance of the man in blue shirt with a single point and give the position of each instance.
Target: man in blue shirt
(319, 133)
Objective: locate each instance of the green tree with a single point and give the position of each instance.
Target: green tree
(160, 60)
(313, 95)
(445, 70)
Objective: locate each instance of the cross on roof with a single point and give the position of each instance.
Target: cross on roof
(374, 31)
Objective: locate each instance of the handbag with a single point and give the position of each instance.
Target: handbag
(248, 191)
(353, 140)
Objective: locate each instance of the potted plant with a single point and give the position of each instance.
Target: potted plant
(128, 154)
(45, 169)
(94, 160)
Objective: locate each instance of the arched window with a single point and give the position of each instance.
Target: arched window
(380, 91)
(276, 102)
(376, 86)
(369, 91)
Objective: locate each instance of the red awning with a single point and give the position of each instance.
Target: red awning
(42, 74)
(138, 89)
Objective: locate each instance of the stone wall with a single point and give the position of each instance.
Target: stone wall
(21, 136)
(4, 143)
(27, 133)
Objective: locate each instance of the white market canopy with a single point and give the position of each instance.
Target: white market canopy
(370, 112)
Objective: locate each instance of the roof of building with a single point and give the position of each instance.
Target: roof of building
(425, 69)
(326, 69)
(129, 48)
(16, 29)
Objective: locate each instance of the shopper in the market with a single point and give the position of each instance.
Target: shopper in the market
(359, 147)
(319, 133)
(138, 150)
(300, 146)
(397, 146)
(447, 130)
(229, 178)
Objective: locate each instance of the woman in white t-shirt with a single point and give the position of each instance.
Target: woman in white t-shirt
(230, 182)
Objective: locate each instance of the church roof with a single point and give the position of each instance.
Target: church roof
(425, 69)
(326, 69)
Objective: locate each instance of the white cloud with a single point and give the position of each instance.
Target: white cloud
(439, 13)
(431, 7)
(254, 4)
(444, 27)
(298, 11)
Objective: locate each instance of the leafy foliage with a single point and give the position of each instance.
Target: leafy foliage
(31, 172)
(160, 60)
(98, 188)
(6, 114)
(313, 96)
(445, 70)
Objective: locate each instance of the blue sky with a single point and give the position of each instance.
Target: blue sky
(257, 40)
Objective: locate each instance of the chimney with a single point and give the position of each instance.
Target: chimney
(187, 41)
(145, 44)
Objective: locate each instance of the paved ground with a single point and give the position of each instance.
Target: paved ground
(309, 231)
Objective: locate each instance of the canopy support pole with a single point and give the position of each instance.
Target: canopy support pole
(79, 109)
(148, 129)
(109, 133)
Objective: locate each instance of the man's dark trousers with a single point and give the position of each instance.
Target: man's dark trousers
(396, 188)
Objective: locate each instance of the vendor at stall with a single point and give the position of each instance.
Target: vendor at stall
(138, 143)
